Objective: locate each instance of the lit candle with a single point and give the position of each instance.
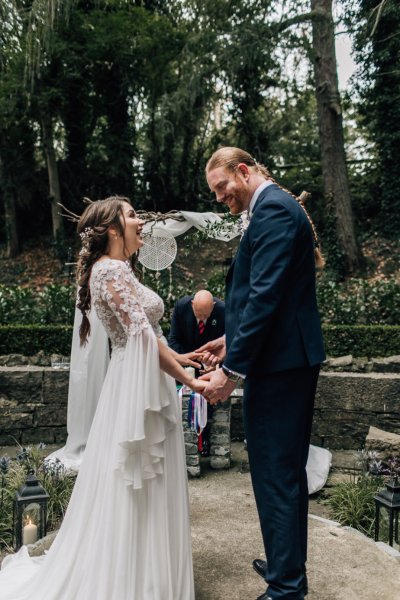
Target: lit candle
(29, 534)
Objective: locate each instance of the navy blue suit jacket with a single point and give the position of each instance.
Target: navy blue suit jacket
(272, 322)
(184, 334)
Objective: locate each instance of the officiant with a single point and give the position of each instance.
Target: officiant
(195, 321)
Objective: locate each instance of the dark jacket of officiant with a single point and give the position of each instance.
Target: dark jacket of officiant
(184, 334)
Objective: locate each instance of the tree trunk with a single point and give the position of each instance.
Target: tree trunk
(12, 242)
(52, 170)
(333, 158)
(10, 220)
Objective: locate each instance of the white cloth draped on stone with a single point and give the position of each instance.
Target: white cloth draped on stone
(126, 532)
(318, 465)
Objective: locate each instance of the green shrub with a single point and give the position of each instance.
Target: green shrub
(362, 340)
(344, 308)
(216, 284)
(54, 304)
(17, 305)
(353, 302)
(30, 339)
(353, 502)
(358, 301)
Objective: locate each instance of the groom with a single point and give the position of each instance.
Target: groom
(274, 343)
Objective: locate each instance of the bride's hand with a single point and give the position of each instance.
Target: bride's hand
(197, 386)
(186, 360)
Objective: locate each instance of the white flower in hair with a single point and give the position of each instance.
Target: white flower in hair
(86, 236)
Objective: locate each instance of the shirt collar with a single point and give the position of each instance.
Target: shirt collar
(256, 194)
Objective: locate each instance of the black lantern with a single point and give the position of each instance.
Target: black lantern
(30, 512)
(387, 513)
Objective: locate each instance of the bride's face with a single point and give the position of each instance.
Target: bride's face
(132, 229)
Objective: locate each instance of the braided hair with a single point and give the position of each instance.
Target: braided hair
(93, 226)
(230, 157)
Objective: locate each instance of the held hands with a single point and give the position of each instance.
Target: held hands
(197, 386)
(219, 387)
(213, 352)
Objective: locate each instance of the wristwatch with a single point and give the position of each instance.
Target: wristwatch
(230, 374)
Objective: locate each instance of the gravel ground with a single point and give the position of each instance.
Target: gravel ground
(342, 563)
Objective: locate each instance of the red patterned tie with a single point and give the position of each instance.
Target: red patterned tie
(201, 327)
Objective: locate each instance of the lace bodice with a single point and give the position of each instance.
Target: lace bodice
(122, 303)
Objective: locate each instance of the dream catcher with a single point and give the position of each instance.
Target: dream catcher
(159, 249)
(158, 252)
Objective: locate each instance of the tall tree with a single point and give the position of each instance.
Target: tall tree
(377, 26)
(330, 123)
(46, 123)
(12, 121)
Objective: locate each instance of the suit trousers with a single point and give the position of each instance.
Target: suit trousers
(278, 410)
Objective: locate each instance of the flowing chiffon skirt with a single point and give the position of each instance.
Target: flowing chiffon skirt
(126, 533)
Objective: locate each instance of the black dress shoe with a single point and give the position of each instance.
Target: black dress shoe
(264, 597)
(260, 567)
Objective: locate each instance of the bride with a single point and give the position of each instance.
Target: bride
(126, 531)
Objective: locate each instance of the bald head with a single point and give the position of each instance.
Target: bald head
(203, 304)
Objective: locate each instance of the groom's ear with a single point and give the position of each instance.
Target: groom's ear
(244, 170)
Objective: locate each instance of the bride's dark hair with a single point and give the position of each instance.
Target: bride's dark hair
(93, 225)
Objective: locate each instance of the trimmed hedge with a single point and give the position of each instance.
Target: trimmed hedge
(358, 340)
(362, 340)
(30, 339)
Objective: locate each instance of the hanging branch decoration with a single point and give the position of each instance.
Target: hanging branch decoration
(159, 248)
(68, 214)
(157, 217)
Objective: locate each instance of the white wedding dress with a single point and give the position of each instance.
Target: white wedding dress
(126, 533)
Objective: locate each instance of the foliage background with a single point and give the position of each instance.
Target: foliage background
(139, 93)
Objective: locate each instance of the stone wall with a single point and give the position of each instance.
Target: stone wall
(346, 404)
(220, 439)
(33, 408)
(33, 405)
